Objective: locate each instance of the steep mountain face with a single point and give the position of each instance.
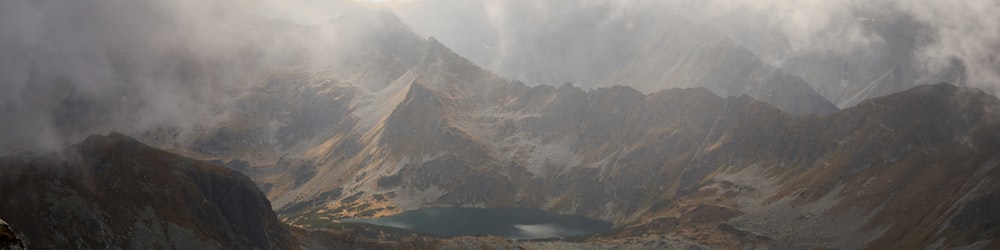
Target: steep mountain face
(112, 191)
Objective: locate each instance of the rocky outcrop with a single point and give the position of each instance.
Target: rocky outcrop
(10, 239)
(112, 191)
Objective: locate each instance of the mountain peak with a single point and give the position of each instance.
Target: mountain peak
(110, 138)
(959, 97)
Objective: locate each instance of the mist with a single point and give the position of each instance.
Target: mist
(72, 68)
(917, 42)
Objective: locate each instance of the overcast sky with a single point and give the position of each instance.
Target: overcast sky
(966, 30)
(75, 63)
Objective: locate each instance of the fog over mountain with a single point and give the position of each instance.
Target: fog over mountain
(71, 68)
(773, 124)
(116, 64)
(131, 66)
(843, 48)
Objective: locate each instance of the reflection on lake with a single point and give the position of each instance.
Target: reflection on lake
(515, 223)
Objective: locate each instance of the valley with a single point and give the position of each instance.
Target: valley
(608, 125)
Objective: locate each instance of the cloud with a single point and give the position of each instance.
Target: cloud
(805, 24)
(965, 30)
(936, 38)
(921, 40)
(73, 67)
(69, 68)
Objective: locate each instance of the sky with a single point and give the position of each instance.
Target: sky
(848, 50)
(73, 67)
(965, 30)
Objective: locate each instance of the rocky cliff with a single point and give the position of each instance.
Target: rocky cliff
(112, 191)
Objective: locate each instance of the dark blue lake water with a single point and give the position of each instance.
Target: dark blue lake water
(515, 223)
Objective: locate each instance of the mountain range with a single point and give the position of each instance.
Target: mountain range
(705, 145)
(448, 133)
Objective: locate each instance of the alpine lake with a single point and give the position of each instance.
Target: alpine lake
(513, 223)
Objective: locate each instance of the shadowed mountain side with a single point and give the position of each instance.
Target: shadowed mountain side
(112, 191)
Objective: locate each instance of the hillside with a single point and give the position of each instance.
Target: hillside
(194, 124)
(726, 170)
(112, 191)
